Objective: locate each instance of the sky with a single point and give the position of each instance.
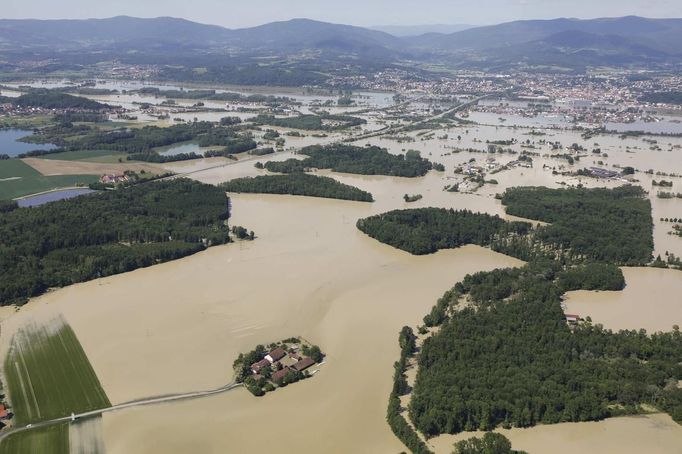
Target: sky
(240, 13)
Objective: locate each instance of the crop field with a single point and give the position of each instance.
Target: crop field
(44, 440)
(18, 179)
(49, 375)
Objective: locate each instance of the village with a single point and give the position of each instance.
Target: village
(288, 361)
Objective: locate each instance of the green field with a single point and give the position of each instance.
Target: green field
(44, 440)
(87, 155)
(31, 181)
(49, 376)
(16, 168)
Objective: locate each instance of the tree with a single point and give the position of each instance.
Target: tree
(316, 354)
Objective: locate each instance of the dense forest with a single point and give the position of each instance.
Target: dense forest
(427, 230)
(298, 184)
(587, 225)
(358, 160)
(504, 354)
(509, 358)
(312, 122)
(69, 241)
(609, 225)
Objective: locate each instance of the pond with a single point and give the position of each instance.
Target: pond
(10, 144)
(63, 194)
(174, 150)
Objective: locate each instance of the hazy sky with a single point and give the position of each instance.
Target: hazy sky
(241, 13)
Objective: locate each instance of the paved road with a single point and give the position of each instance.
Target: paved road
(123, 406)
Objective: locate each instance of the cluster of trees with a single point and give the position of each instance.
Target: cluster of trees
(426, 230)
(412, 198)
(490, 443)
(509, 358)
(80, 117)
(396, 421)
(153, 156)
(298, 184)
(211, 95)
(262, 151)
(358, 160)
(606, 225)
(591, 276)
(311, 122)
(70, 241)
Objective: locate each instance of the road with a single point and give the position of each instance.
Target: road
(123, 406)
(392, 130)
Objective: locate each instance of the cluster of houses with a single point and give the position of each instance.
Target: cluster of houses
(281, 363)
(114, 178)
(5, 414)
(598, 172)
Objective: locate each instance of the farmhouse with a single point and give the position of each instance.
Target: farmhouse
(303, 364)
(113, 178)
(602, 173)
(280, 374)
(276, 355)
(572, 318)
(256, 367)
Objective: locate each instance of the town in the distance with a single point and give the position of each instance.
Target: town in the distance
(313, 237)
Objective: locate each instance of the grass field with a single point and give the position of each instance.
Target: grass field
(44, 440)
(30, 181)
(49, 376)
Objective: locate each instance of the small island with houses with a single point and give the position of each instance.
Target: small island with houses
(263, 370)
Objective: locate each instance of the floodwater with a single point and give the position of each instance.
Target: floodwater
(651, 434)
(11, 146)
(178, 326)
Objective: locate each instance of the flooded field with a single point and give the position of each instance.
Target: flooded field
(650, 300)
(655, 434)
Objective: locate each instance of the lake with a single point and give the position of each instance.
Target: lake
(53, 196)
(10, 144)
